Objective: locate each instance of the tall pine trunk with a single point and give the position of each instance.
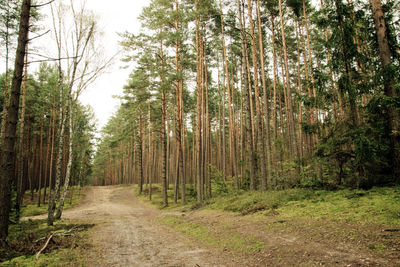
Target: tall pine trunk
(7, 167)
(260, 130)
(389, 84)
(163, 129)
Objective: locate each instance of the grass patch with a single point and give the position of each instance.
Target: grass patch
(251, 202)
(61, 257)
(28, 237)
(30, 207)
(157, 198)
(378, 247)
(379, 205)
(229, 240)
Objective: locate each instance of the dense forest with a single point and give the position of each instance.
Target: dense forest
(224, 95)
(257, 95)
(47, 135)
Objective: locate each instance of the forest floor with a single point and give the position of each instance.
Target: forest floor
(128, 232)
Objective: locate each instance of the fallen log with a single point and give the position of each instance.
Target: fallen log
(66, 233)
(44, 247)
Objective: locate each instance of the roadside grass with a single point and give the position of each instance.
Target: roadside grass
(157, 198)
(27, 237)
(229, 240)
(62, 257)
(30, 207)
(320, 214)
(379, 205)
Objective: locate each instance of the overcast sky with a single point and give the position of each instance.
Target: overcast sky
(114, 16)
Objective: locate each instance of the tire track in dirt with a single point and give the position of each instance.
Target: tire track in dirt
(127, 233)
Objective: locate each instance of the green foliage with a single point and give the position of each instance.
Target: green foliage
(358, 157)
(341, 107)
(27, 237)
(244, 201)
(9, 15)
(33, 210)
(377, 205)
(219, 185)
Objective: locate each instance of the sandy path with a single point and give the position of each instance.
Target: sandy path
(127, 234)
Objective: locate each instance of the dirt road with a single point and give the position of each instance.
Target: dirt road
(126, 233)
(129, 233)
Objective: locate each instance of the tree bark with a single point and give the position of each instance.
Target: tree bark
(249, 102)
(288, 102)
(199, 83)
(164, 134)
(140, 141)
(267, 105)
(69, 161)
(261, 137)
(7, 167)
(389, 84)
(21, 155)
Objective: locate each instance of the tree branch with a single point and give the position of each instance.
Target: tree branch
(45, 245)
(38, 36)
(44, 4)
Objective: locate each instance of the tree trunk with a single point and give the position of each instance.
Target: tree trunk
(290, 119)
(69, 162)
(163, 129)
(249, 102)
(232, 152)
(140, 141)
(267, 109)
(261, 137)
(7, 37)
(199, 83)
(7, 167)
(389, 84)
(21, 155)
(40, 169)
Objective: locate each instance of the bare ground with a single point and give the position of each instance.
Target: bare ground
(129, 233)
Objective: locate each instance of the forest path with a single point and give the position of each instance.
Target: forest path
(130, 233)
(126, 233)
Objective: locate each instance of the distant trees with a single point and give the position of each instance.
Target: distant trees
(268, 95)
(82, 66)
(35, 107)
(389, 82)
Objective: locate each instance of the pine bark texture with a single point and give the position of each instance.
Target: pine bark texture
(7, 167)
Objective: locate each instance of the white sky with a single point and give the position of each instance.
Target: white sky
(114, 16)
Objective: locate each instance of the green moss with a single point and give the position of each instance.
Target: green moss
(58, 258)
(242, 201)
(31, 208)
(157, 198)
(229, 240)
(378, 247)
(27, 237)
(378, 206)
